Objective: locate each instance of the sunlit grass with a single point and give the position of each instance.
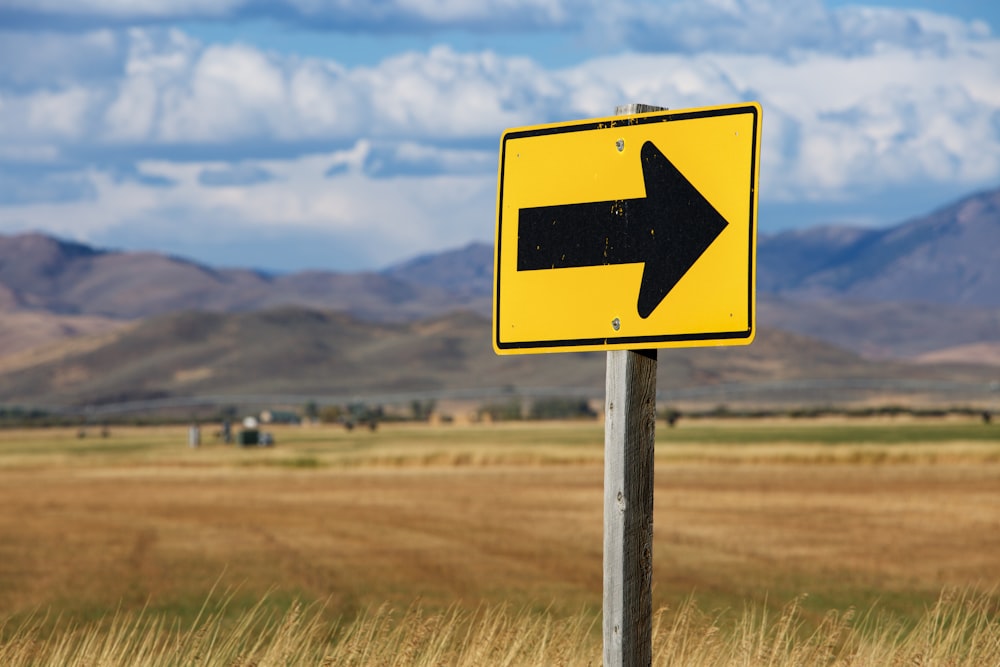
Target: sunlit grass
(961, 630)
(836, 431)
(843, 440)
(505, 512)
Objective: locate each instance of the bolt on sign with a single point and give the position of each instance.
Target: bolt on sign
(628, 232)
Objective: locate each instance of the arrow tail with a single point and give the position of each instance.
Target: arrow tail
(574, 235)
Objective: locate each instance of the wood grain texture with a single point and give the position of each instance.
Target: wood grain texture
(629, 437)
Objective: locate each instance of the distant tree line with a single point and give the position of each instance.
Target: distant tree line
(811, 412)
(554, 407)
(16, 416)
(512, 409)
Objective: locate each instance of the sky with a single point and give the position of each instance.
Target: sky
(349, 135)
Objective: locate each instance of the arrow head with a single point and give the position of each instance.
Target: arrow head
(677, 225)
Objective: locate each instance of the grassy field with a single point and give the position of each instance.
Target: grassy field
(824, 515)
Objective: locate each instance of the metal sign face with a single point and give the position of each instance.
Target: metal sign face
(628, 232)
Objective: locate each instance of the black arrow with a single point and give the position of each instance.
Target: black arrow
(667, 230)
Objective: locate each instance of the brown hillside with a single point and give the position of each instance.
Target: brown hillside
(30, 338)
(46, 274)
(303, 352)
(946, 257)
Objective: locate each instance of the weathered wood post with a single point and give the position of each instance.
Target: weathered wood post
(630, 413)
(629, 436)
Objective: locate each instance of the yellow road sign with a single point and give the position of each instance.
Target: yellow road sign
(628, 232)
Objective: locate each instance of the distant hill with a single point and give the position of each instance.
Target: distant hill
(931, 284)
(881, 329)
(466, 272)
(305, 352)
(948, 257)
(41, 273)
(925, 286)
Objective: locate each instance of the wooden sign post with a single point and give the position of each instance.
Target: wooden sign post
(629, 437)
(630, 419)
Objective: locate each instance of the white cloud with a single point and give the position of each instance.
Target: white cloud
(399, 215)
(854, 100)
(61, 114)
(447, 94)
(234, 92)
(176, 92)
(323, 98)
(875, 108)
(132, 114)
(884, 119)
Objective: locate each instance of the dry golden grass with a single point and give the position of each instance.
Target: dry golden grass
(481, 520)
(959, 630)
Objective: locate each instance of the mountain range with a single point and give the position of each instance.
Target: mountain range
(81, 324)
